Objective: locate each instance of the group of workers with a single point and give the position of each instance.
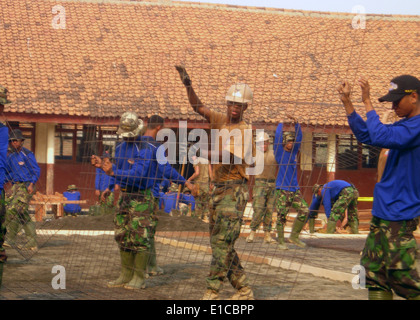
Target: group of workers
(138, 170)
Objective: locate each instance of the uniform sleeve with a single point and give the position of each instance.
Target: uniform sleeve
(34, 168)
(298, 139)
(326, 201)
(168, 172)
(359, 128)
(4, 142)
(138, 171)
(278, 143)
(402, 136)
(315, 204)
(98, 179)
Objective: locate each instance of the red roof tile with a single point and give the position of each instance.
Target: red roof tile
(120, 55)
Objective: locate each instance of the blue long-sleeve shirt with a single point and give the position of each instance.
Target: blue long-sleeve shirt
(72, 207)
(287, 174)
(329, 195)
(103, 181)
(397, 195)
(22, 167)
(4, 142)
(148, 171)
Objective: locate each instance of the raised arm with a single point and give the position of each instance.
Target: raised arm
(194, 100)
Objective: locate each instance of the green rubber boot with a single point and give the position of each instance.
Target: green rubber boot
(294, 235)
(30, 233)
(140, 264)
(331, 225)
(354, 226)
(379, 295)
(152, 267)
(280, 235)
(311, 224)
(12, 231)
(127, 265)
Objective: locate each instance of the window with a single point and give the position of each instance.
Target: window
(370, 156)
(347, 152)
(320, 149)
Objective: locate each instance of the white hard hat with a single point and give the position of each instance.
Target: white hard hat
(240, 93)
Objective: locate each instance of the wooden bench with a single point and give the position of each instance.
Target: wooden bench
(56, 202)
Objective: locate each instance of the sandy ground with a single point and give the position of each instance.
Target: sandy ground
(90, 259)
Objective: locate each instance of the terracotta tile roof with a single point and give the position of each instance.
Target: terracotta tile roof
(114, 56)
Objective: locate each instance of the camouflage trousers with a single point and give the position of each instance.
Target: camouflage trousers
(202, 200)
(3, 230)
(227, 206)
(17, 215)
(290, 199)
(136, 221)
(347, 200)
(263, 202)
(389, 257)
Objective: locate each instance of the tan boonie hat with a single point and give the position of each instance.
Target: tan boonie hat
(72, 187)
(130, 125)
(3, 96)
(240, 93)
(288, 136)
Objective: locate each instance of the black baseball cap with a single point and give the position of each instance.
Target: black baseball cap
(400, 87)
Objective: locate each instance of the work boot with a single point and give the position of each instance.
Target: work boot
(311, 223)
(294, 235)
(379, 294)
(245, 293)
(140, 263)
(354, 226)
(331, 225)
(210, 295)
(251, 236)
(127, 265)
(280, 235)
(267, 238)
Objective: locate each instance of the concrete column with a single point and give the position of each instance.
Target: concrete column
(44, 152)
(332, 151)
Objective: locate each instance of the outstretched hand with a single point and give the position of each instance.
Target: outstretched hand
(96, 161)
(364, 85)
(185, 78)
(107, 167)
(344, 91)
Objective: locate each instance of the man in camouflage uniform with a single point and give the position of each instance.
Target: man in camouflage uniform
(336, 196)
(23, 172)
(288, 195)
(104, 189)
(230, 195)
(264, 191)
(4, 137)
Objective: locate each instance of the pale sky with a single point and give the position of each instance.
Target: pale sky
(411, 7)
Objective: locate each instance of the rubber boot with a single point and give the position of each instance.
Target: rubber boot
(244, 293)
(331, 225)
(294, 235)
(354, 226)
(1, 272)
(311, 223)
(152, 267)
(12, 231)
(280, 235)
(140, 264)
(379, 295)
(251, 236)
(127, 265)
(210, 295)
(267, 238)
(30, 233)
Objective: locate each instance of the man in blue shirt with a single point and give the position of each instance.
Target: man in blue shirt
(4, 137)
(136, 220)
(104, 189)
(389, 256)
(22, 172)
(288, 195)
(72, 194)
(336, 196)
